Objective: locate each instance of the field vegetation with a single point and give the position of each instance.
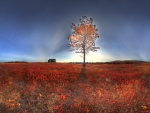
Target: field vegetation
(72, 88)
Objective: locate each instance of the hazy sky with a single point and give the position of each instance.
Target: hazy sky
(36, 30)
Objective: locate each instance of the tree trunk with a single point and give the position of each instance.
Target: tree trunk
(84, 58)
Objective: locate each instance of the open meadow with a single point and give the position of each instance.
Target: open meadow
(72, 88)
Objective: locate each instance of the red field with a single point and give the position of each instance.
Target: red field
(70, 88)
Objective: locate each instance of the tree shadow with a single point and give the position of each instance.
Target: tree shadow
(82, 75)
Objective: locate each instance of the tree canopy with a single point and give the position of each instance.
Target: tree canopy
(82, 39)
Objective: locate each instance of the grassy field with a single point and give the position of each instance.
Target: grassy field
(72, 88)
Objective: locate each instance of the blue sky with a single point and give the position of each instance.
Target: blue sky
(36, 30)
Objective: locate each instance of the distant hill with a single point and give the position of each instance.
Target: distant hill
(16, 62)
(125, 61)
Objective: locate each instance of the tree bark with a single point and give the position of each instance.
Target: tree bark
(84, 58)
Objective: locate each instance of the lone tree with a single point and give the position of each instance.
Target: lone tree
(82, 39)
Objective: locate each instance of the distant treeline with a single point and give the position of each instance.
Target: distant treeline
(125, 62)
(16, 62)
(113, 62)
